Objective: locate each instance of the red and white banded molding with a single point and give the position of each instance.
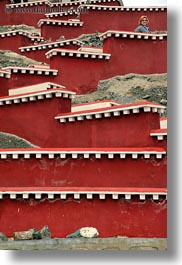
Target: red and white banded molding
(4, 73)
(160, 134)
(86, 153)
(71, 23)
(39, 95)
(123, 8)
(132, 35)
(31, 70)
(78, 54)
(122, 109)
(63, 192)
(50, 45)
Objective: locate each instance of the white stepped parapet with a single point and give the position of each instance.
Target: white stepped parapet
(38, 70)
(78, 54)
(5, 74)
(131, 34)
(163, 123)
(25, 33)
(63, 3)
(103, 193)
(98, 153)
(94, 105)
(50, 45)
(123, 8)
(160, 134)
(34, 88)
(39, 95)
(107, 112)
(71, 23)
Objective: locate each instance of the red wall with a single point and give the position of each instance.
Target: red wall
(19, 80)
(83, 172)
(121, 20)
(27, 14)
(111, 217)
(85, 73)
(14, 42)
(135, 56)
(40, 127)
(55, 31)
(39, 55)
(111, 20)
(127, 56)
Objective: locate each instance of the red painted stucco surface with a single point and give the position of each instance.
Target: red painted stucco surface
(19, 80)
(126, 57)
(121, 20)
(40, 127)
(39, 55)
(92, 172)
(111, 20)
(111, 217)
(14, 42)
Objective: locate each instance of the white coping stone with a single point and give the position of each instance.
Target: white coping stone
(134, 156)
(48, 95)
(15, 156)
(128, 196)
(98, 155)
(80, 118)
(86, 155)
(115, 196)
(160, 137)
(127, 111)
(88, 117)
(110, 156)
(98, 115)
(155, 196)
(16, 100)
(32, 98)
(38, 155)
(12, 196)
(76, 196)
(4, 156)
(102, 196)
(116, 113)
(107, 114)
(136, 110)
(142, 196)
(38, 195)
(71, 119)
(63, 156)
(24, 99)
(50, 196)
(147, 109)
(154, 110)
(51, 156)
(25, 195)
(146, 156)
(89, 196)
(63, 196)
(27, 156)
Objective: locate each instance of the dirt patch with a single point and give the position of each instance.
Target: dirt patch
(130, 88)
(12, 141)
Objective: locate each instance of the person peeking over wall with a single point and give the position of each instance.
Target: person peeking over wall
(143, 25)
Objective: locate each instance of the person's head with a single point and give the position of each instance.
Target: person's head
(143, 21)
